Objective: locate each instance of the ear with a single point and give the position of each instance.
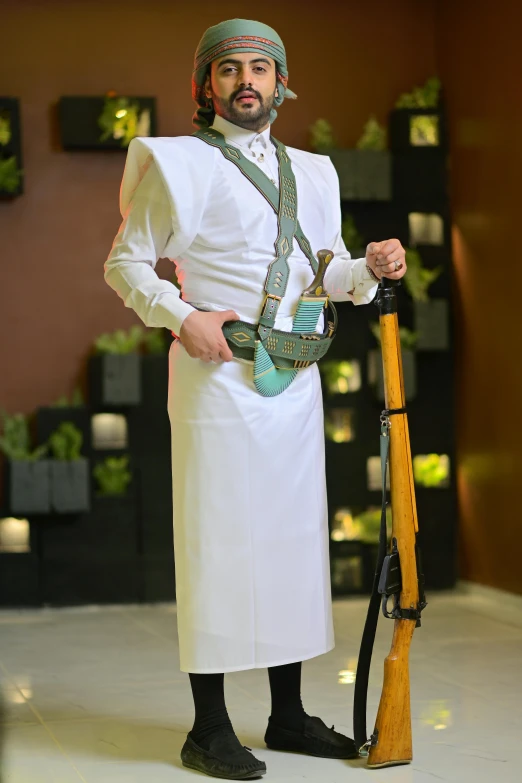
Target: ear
(208, 92)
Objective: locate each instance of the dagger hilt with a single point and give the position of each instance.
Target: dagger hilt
(316, 289)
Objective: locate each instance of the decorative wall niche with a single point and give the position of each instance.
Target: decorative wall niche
(424, 130)
(426, 228)
(339, 424)
(15, 535)
(342, 527)
(105, 122)
(109, 431)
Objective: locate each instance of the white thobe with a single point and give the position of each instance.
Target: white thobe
(249, 490)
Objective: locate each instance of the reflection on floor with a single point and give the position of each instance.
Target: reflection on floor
(95, 695)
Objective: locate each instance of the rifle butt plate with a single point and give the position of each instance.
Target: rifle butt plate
(393, 763)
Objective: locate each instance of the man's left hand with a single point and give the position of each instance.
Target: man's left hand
(387, 258)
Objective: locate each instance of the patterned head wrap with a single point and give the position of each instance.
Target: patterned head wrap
(232, 37)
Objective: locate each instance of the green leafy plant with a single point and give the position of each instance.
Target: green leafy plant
(431, 470)
(154, 341)
(77, 400)
(120, 341)
(373, 137)
(408, 339)
(418, 278)
(66, 442)
(112, 475)
(426, 96)
(10, 175)
(424, 130)
(351, 236)
(123, 119)
(5, 129)
(341, 377)
(368, 525)
(15, 442)
(321, 135)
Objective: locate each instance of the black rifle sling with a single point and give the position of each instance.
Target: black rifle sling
(360, 695)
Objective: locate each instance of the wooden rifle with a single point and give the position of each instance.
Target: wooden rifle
(398, 574)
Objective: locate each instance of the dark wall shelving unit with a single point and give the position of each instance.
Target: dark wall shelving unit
(419, 184)
(121, 551)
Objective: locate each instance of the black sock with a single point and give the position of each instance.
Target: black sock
(285, 688)
(209, 703)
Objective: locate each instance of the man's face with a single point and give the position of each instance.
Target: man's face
(243, 87)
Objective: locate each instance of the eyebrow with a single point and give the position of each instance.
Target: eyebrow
(227, 61)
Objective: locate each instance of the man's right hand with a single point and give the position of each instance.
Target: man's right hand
(202, 337)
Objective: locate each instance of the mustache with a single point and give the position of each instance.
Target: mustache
(249, 90)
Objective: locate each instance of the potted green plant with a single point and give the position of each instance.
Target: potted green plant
(419, 278)
(408, 340)
(416, 121)
(368, 524)
(77, 400)
(66, 408)
(364, 172)
(111, 121)
(115, 371)
(431, 470)
(123, 118)
(70, 480)
(10, 148)
(113, 476)
(340, 376)
(28, 473)
(431, 316)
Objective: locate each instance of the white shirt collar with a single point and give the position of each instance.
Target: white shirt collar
(242, 137)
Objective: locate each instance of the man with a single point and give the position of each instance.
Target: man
(250, 518)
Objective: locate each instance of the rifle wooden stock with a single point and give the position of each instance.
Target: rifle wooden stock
(393, 724)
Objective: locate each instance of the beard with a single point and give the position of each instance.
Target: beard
(246, 117)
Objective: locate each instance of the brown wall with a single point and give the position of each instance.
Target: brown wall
(478, 45)
(54, 239)
(346, 60)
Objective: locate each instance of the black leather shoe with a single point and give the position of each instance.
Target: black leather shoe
(226, 758)
(315, 739)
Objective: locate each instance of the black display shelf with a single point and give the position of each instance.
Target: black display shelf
(420, 178)
(78, 119)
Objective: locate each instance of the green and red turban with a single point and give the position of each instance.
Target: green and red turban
(233, 37)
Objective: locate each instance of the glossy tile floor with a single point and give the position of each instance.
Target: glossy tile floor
(95, 695)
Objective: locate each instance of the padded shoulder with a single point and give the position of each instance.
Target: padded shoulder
(181, 160)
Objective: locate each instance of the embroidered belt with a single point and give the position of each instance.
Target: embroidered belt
(287, 350)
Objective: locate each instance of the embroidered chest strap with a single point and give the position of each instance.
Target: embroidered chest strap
(284, 203)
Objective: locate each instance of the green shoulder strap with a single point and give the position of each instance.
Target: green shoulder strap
(284, 204)
(269, 379)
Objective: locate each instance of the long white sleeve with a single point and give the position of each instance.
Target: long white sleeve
(143, 238)
(344, 273)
